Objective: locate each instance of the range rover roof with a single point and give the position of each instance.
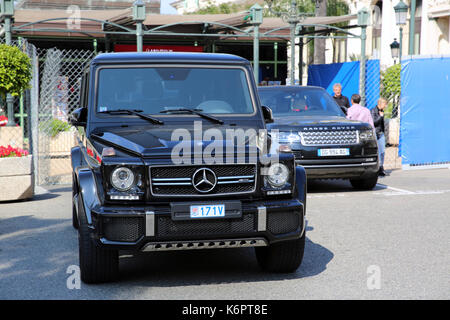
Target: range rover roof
(172, 57)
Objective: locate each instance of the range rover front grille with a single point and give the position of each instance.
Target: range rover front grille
(183, 181)
(329, 138)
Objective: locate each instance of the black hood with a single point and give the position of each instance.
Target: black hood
(156, 141)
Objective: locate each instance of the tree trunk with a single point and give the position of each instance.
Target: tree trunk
(319, 44)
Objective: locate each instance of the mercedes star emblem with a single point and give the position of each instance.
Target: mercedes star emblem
(204, 180)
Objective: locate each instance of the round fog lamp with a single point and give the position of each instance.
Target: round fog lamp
(122, 178)
(278, 175)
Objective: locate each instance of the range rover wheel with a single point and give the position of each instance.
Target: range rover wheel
(365, 184)
(96, 264)
(283, 257)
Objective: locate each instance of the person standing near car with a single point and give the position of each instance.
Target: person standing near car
(378, 120)
(341, 100)
(358, 112)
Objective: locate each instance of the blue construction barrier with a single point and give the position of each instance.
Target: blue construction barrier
(347, 74)
(425, 111)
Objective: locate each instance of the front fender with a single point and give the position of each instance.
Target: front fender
(88, 196)
(301, 182)
(76, 157)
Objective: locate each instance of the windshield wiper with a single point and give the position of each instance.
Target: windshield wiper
(194, 111)
(134, 112)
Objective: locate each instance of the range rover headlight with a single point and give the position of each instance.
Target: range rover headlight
(286, 137)
(366, 135)
(277, 175)
(122, 178)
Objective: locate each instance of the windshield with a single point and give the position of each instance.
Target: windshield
(300, 102)
(159, 89)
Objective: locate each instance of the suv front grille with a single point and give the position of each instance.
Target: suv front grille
(198, 228)
(324, 138)
(128, 229)
(283, 222)
(177, 181)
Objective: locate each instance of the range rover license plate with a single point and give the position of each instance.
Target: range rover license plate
(333, 152)
(208, 211)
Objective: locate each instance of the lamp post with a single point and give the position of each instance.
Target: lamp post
(412, 26)
(401, 11)
(139, 17)
(363, 22)
(6, 14)
(292, 17)
(395, 50)
(256, 12)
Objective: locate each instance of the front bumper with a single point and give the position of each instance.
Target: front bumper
(151, 228)
(340, 168)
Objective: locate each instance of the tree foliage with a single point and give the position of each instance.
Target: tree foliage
(390, 82)
(15, 71)
(334, 7)
(337, 8)
(303, 6)
(223, 8)
(391, 88)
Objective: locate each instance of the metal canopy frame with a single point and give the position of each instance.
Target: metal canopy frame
(327, 29)
(22, 28)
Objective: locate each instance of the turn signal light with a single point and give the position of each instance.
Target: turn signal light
(285, 148)
(108, 152)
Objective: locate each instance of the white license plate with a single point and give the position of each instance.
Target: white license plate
(208, 211)
(333, 152)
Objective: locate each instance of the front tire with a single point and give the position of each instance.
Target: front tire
(283, 257)
(97, 264)
(365, 184)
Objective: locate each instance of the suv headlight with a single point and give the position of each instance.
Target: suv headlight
(277, 175)
(286, 137)
(366, 135)
(122, 179)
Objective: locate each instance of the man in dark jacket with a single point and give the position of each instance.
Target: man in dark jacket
(378, 121)
(341, 100)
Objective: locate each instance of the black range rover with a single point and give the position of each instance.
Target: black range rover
(165, 162)
(323, 140)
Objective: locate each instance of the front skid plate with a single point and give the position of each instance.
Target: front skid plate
(205, 244)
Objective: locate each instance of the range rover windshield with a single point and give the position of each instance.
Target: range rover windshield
(168, 90)
(299, 101)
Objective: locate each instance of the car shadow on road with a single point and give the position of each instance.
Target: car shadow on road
(215, 266)
(34, 256)
(337, 185)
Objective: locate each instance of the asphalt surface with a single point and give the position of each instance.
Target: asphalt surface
(389, 243)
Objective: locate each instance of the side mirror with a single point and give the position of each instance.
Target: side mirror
(78, 117)
(267, 114)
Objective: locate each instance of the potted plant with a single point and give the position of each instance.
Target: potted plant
(57, 139)
(16, 181)
(15, 77)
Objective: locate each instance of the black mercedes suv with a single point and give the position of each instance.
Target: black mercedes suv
(172, 155)
(323, 140)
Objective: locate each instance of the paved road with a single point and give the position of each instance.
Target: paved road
(390, 243)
